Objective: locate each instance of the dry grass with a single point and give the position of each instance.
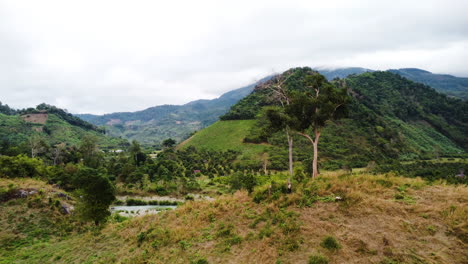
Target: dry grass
(380, 219)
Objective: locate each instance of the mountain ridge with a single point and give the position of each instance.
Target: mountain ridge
(391, 118)
(152, 125)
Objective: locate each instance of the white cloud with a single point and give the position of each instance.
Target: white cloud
(106, 56)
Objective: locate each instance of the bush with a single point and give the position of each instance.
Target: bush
(131, 202)
(318, 259)
(330, 243)
(241, 180)
(199, 261)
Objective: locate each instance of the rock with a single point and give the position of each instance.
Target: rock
(66, 209)
(23, 193)
(64, 195)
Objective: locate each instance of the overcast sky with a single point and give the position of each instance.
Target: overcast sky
(108, 56)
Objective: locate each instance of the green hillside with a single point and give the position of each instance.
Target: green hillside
(224, 135)
(389, 118)
(16, 131)
(444, 83)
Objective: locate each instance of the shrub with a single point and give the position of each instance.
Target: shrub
(330, 243)
(199, 261)
(131, 202)
(224, 230)
(317, 259)
(141, 237)
(242, 181)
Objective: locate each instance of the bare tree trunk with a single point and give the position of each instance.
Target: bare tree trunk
(315, 172)
(314, 142)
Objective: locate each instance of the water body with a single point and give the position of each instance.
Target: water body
(136, 210)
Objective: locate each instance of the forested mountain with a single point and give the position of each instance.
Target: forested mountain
(341, 73)
(153, 125)
(444, 83)
(390, 117)
(48, 126)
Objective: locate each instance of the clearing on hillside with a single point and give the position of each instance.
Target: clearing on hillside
(224, 135)
(39, 118)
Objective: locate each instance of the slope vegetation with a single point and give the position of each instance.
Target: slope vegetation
(390, 117)
(224, 135)
(444, 83)
(17, 129)
(376, 219)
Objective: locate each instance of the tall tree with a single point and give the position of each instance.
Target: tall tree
(137, 154)
(169, 143)
(90, 152)
(281, 95)
(310, 109)
(37, 145)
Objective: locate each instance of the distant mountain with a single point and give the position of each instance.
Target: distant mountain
(342, 72)
(444, 83)
(151, 126)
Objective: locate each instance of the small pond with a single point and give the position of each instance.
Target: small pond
(135, 210)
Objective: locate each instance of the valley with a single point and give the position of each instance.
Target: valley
(387, 185)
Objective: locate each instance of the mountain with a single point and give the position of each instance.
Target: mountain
(153, 125)
(49, 123)
(341, 73)
(444, 83)
(390, 118)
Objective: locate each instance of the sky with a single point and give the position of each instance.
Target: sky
(114, 56)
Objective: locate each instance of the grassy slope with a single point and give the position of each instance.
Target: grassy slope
(224, 135)
(427, 225)
(30, 222)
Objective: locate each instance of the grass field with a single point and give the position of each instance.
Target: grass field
(224, 135)
(380, 219)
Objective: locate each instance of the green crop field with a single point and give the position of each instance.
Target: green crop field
(224, 135)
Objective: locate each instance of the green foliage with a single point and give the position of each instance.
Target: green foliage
(69, 118)
(199, 261)
(241, 180)
(6, 110)
(224, 135)
(168, 143)
(21, 166)
(452, 172)
(15, 135)
(330, 243)
(450, 85)
(317, 259)
(96, 194)
(389, 118)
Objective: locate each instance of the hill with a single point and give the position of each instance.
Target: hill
(390, 118)
(51, 124)
(225, 135)
(444, 83)
(153, 125)
(375, 219)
